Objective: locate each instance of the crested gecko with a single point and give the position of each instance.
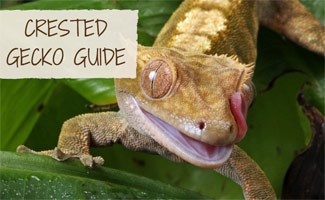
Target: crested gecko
(193, 89)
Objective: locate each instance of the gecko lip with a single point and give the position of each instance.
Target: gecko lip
(191, 150)
(239, 108)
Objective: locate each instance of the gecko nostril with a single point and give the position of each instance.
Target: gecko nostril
(201, 125)
(231, 128)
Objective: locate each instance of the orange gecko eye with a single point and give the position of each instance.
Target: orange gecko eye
(156, 79)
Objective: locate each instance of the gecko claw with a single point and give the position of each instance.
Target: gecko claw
(89, 161)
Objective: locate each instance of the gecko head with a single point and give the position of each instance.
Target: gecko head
(193, 104)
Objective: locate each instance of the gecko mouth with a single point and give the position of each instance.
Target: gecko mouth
(199, 150)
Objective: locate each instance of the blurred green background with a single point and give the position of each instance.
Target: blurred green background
(33, 110)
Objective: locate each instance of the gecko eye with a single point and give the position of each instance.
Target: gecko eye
(156, 79)
(250, 92)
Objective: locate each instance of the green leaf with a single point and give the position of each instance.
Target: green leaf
(26, 176)
(97, 91)
(278, 56)
(21, 104)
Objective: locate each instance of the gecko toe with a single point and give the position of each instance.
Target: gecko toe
(24, 149)
(98, 160)
(87, 160)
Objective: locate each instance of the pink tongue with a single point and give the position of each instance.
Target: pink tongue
(239, 109)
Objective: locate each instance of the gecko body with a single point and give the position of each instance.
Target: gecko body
(192, 92)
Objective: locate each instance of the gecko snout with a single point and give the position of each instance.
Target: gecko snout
(214, 133)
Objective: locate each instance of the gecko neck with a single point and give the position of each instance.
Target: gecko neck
(213, 27)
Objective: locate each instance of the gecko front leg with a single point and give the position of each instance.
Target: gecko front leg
(80, 133)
